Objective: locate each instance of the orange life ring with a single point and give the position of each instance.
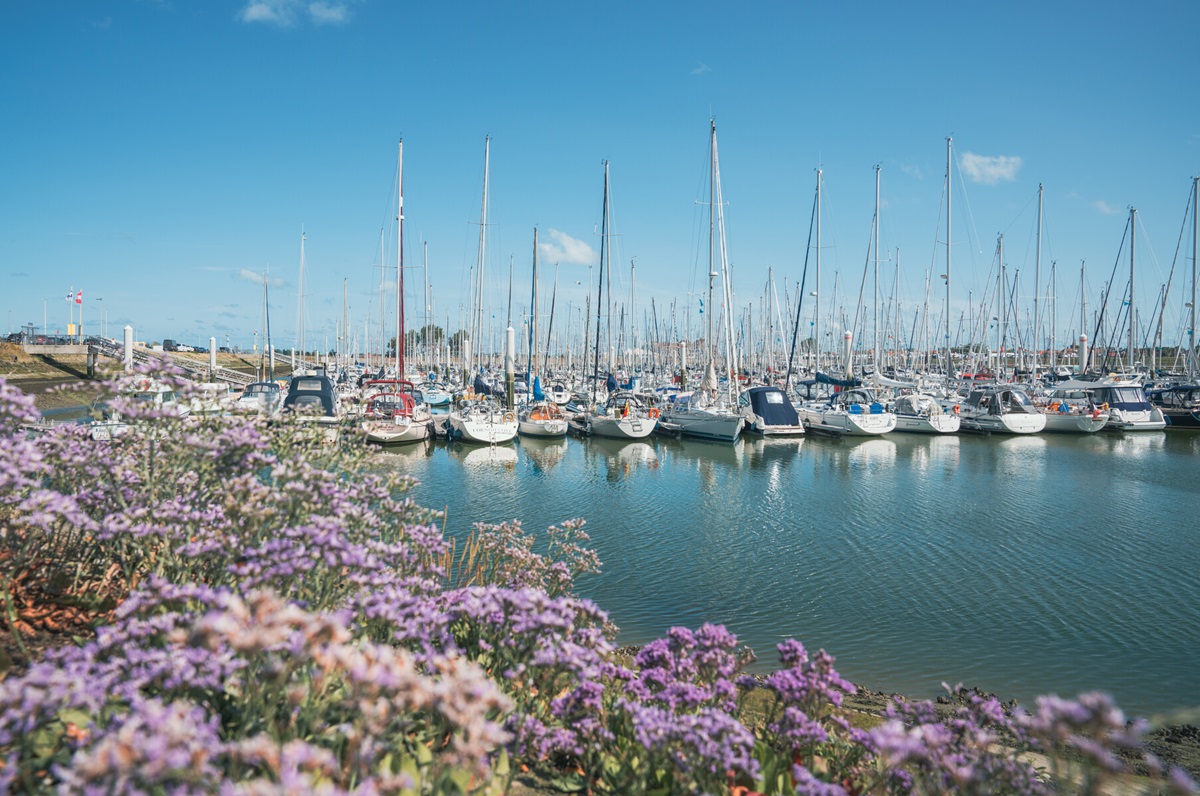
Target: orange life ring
(653, 412)
(957, 409)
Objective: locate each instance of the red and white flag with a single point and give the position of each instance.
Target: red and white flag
(79, 297)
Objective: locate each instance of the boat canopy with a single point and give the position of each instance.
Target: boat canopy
(771, 404)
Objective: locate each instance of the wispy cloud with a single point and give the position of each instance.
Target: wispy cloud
(258, 279)
(990, 169)
(20, 275)
(562, 248)
(700, 69)
(288, 13)
(1105, 208)
(913, 171)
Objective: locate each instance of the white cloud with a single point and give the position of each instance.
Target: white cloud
(1104, 207)
(285, 13)
(990, 169)
(913, 171)
(258, 279)
(328, 13)
(562, 248)
(701, 69)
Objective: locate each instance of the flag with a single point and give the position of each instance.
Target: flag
(70, 295)
(79, 297)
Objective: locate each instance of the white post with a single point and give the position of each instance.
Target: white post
(212, 358)
(847, 344)
(1083, 354)
(128, 349)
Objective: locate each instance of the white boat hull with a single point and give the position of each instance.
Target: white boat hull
(707, 424)
(1075, 423)
(1014, 423)
(395, 431)
(1126, 420)
(867, 424)
(928, 424)
(632, 427)
(556, 427)
(484, 429)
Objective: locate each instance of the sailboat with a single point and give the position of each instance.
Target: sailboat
(856, 411)
(393, 411)
(540, 416)
(477, 416)
(708, 412)
(624, 414)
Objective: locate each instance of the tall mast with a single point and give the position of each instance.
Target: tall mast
(817, 301)
(533, 313)
(712, 237)
(1037, 282)
(875, 246)
(1130, 317)
(400, 261)
(949, 187)
(600, 281)
(425, 299)
(477, 324)
(1191, 367)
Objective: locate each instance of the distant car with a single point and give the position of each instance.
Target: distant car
(224, 350)
(184, 347)
(169, 345)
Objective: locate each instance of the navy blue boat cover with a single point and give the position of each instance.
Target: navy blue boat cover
(772, 405)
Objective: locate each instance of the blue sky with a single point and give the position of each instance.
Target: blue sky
(162, 156)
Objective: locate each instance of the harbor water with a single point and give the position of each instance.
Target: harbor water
(1021, 565)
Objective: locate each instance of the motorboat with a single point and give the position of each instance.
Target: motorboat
(1179, 403)
(263, 397)
(1128, 407)
(768, 412)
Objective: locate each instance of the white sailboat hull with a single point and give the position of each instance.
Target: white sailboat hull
(632, 427)
(395, 431)
(707, 424)
(928, 424)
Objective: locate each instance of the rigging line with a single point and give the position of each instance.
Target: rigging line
(800, 296)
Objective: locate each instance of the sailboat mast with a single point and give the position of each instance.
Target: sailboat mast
(400, 261)
(1130, 317)
(477, 324)
(949, 190)
(712, 238)
(533, 329)
(817, 292)
(1191, 368)
(875, 247)
(1037, 282)
(600, 282)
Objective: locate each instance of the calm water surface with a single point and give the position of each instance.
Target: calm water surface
(1022, 566)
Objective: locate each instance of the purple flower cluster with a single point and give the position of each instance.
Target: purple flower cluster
(289, 621)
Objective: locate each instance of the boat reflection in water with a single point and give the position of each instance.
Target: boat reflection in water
(504, 456)
(622, 458)
(544, 453)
